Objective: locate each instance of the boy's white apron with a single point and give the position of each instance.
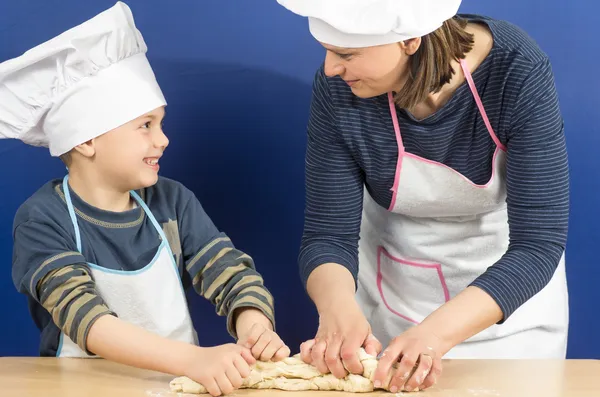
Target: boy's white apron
(151, 297)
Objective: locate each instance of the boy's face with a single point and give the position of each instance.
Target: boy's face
(128, 155)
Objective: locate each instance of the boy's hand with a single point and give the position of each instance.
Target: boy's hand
(255, 332)
(219, 369)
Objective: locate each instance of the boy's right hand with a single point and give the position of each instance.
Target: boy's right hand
(219, 369)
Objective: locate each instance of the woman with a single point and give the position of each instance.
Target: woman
(456, 246)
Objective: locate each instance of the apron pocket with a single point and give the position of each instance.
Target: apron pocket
(410, 290)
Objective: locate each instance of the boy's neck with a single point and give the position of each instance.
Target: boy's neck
(96, 194)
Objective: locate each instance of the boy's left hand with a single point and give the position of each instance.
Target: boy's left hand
(255, 332)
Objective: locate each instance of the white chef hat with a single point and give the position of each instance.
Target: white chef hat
(366, 23)
(79, 85)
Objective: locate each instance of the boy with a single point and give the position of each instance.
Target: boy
(105, 254)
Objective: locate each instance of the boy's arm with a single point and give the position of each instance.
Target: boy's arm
(47, 267)
(69, 295)
(122, 342)
(228, 278)
(224, 275)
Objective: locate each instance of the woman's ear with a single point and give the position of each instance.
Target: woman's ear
(410, 46)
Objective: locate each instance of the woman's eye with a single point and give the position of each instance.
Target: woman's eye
(345, 56)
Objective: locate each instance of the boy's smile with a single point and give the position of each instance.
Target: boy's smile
(152, 162)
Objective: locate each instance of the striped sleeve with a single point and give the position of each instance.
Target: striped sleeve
(334, 191)
(537, 195)
(69, 295)
(221, 273)
(228, 279)
(48, 268)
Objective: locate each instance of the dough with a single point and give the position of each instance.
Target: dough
(293, 374)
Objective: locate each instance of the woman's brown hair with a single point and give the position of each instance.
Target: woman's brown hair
(430, 66)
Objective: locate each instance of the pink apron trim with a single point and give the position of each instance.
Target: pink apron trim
(400, 149)
(488, 125)
(402, 152)
(487, 184)
(438, 267)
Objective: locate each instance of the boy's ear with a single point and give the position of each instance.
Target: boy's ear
(86, 149)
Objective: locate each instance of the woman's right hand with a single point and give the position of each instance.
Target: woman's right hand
(343, 330)
(220, 369)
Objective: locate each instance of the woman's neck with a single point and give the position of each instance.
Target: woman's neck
(98, 194)
(482, 46)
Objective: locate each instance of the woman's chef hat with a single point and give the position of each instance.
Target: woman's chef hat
(79, 85)
(366, 23)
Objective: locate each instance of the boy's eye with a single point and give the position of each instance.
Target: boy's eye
(146, 125)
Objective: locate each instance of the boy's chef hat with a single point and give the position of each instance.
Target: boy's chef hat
(79, 85)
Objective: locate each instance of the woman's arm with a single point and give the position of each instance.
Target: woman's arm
(334, 191)
(537, 194)
(329, 252)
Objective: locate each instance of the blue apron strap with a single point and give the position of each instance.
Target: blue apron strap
(150, 216)
(71, 211)
(159, 229)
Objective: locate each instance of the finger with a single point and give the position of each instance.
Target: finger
(212, 387)
(260, 346)
(255, 332)
(242, 367)
(318, 356)
(333, 359)
(282, 353)
(306, 351)
(384, 367)
(234, 376)
(246, 354)
(419, 375)
(224, 383)
(405, 369)
(434, 374)
(372, 345)
(274, 345)
(349, 353)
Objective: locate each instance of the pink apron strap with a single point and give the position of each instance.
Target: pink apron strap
(488, 125)
(394, 188)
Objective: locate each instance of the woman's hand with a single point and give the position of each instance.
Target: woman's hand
(343, 330)
(417, 354)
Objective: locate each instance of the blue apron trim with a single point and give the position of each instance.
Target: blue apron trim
(60, 344)
(158, 229)
(71, 211)
(130, 272)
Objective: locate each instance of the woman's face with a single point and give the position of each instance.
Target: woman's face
(371, 71)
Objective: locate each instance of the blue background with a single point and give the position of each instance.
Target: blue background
(237, 76)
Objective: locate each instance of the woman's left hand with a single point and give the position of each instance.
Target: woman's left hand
(417, 346)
